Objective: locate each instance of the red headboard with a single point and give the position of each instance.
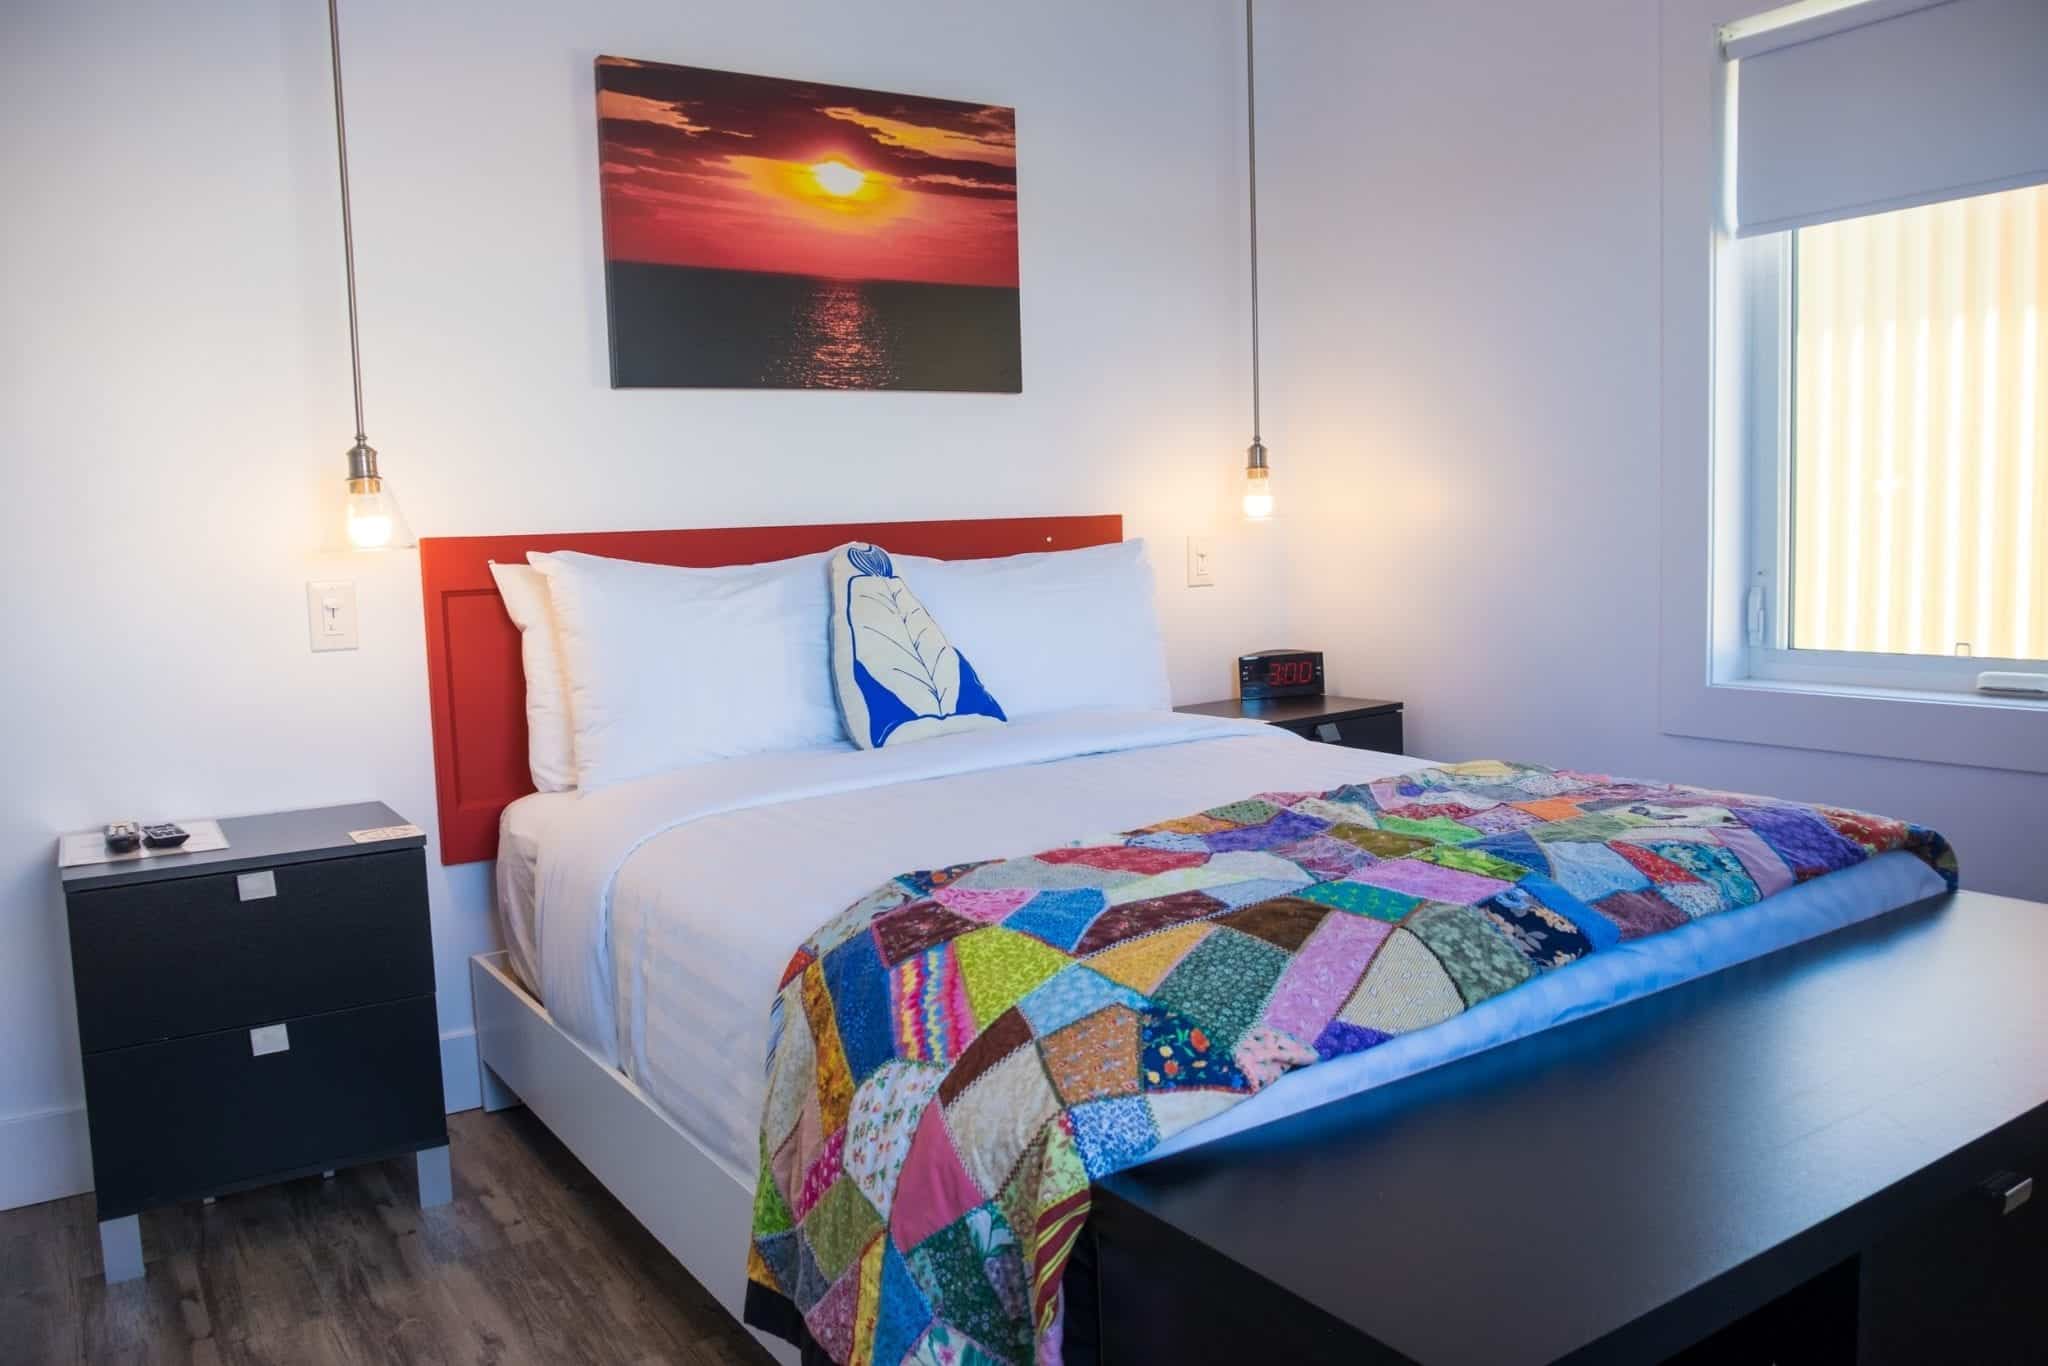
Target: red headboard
(477, 686)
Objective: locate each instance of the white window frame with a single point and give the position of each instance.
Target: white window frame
(1763, 293)
(1720, 498)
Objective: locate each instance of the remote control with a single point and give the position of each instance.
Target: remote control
(123, 837)
(165, 836)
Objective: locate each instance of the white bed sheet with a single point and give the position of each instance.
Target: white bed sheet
(521, 830)
(667, 910)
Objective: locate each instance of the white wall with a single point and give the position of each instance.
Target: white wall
(1461, 262)
(174, 406)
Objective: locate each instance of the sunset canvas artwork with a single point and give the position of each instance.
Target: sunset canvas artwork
(768, 233)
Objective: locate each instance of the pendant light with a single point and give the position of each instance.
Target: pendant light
(374, 521)
(1258, 483)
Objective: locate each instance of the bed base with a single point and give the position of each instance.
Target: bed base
(691, 1205)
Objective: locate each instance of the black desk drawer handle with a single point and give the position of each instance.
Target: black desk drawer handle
(2009, 1190)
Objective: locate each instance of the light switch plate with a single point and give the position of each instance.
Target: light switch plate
(1201, 561)
(331, 614)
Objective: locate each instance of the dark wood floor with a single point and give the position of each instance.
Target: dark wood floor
(533, 1262)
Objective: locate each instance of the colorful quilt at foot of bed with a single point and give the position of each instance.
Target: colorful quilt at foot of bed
(956, 1056)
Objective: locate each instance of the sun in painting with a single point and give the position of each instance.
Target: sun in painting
(836, 177)
(832, 190)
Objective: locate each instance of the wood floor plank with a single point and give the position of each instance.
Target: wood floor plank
(135, 1321)
(533, 1262)
(38, 1288)
(313, 1343)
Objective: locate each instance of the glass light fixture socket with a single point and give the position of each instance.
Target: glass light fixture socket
(374, 519)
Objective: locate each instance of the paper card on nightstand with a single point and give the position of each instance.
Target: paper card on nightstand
(90, 846)
(385, 832)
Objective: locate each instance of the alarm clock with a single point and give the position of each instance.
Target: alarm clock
(1280, 673)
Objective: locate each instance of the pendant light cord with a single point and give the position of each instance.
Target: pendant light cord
(348, 236)
(1251, 125)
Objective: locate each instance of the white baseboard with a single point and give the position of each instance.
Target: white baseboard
(44, 1155)
(462, 1086)
(47, 1155)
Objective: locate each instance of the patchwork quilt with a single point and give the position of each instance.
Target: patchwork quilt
(955, 1057)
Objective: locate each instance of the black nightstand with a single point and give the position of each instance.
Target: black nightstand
(1357, 722)
(255, 1013)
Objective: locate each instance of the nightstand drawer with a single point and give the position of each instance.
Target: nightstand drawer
(1374, 730)
(1354, 722)
(184, 956)
(194, 1116)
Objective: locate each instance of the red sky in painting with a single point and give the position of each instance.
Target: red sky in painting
(710, 168)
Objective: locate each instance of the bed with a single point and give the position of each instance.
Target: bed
(648, 924)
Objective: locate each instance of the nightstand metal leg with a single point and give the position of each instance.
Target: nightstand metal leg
(437, 1183)
(121, 1248)
(497, 1095)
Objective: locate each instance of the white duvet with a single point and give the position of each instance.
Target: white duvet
(664, 911)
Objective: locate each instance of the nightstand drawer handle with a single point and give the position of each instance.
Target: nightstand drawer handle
(256, 886)
(2009, 1190)
(1328, 733)
(267, 1039)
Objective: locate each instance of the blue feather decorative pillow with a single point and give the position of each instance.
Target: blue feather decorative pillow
(897, 676)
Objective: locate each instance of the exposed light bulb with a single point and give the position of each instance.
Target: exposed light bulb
(1258, 485)
(1258, 496)
(374, 521)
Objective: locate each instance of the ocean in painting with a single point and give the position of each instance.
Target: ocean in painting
(683, 327)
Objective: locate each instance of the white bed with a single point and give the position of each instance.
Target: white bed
(648, 921)
(654, 919)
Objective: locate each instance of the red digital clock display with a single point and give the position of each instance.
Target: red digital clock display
(1290, 673)
(1281, 673)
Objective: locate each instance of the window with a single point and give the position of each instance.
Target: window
(1906, 444)
(1854, 444)
(1889, 286)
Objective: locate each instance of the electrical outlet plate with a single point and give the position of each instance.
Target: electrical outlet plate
(331, 614)
(1201, 561)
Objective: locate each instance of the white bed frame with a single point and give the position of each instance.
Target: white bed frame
(692, 1206)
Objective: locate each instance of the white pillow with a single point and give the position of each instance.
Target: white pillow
(670, 666)
(897, 676)
(550, 756)
(1055, 629)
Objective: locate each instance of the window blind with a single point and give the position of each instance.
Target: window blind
(1920, 431)
(1917, 105)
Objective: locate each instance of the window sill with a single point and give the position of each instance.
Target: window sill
(1976, 730)
(1937, 678)
(1942, 696)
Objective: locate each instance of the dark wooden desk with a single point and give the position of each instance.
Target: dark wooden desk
(1813, 1124)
